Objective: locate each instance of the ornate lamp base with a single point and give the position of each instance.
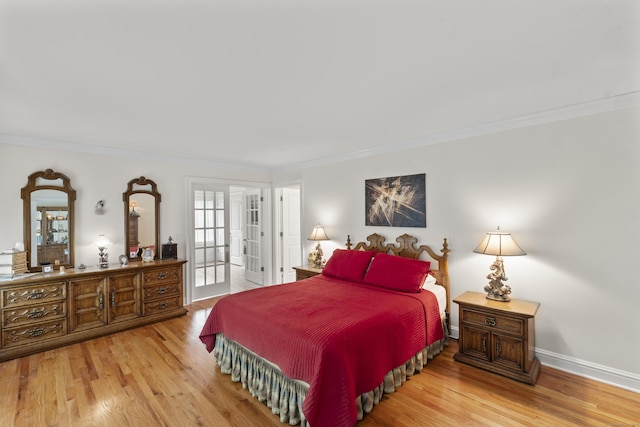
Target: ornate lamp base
(316, 257)
(496, 290)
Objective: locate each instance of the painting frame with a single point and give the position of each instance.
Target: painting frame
(396, 201)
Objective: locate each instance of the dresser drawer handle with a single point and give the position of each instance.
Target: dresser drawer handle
(162, 305)
(36, 332)
(35, 295)
(162, 290)
(490, 321)
(162, 276)
(36, 313)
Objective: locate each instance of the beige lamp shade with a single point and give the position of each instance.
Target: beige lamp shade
(318, 233)
(499, 243)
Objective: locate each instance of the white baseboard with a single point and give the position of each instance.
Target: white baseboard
(583, 368)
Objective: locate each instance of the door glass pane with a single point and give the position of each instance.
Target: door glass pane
(209, 233)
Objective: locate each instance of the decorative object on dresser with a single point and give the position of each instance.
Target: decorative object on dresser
(170, 250)
(103, 257)
(306, 271)
(341, 339)
(316, 255)
(13, 263)
(500, 244)
(498, 336)
(43, 311)
(48, 218)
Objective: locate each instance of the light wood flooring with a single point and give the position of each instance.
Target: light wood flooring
(161, 375)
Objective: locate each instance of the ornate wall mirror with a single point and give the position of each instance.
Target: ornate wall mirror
(48, 200)
(142, 218)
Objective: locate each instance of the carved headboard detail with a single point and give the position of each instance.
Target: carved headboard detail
(406, 247)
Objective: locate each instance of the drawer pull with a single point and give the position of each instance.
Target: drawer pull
(36, 313)
(162, 290)
(113, 298)
(36, 332)
(490, 321)
(162, 305)
(101, 301)
(35, 295)
(162, 275)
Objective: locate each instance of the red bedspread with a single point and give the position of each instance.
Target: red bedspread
(339, 337)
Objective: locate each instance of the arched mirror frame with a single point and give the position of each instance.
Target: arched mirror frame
(141, 185)
(35, 183)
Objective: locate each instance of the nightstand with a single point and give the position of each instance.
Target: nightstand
(306, 271)
(498, 336)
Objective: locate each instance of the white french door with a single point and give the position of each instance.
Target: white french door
(236, 229)
(210, 265)
(253, 266)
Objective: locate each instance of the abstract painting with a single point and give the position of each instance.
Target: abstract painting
(398, 201)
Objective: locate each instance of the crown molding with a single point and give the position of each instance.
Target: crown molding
(26, 141)
(613, 103)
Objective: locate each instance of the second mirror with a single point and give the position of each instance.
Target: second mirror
(142, 218)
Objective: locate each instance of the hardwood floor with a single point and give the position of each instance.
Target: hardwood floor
(161, 375)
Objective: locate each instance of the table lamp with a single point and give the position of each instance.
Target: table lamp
(500, 244)
(317, 234)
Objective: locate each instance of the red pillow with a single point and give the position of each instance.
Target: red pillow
(397, 273)
(348, 264)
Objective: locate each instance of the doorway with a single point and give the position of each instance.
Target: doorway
(288, 244)
(226, 223)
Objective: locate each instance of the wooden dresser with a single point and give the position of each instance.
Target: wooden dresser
(47, 310)
(498, 336)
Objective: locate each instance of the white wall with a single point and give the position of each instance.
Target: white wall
(568, 191)
(103, 177)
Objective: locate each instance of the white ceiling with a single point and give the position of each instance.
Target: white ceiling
(271, 83)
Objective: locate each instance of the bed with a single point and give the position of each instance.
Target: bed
(323, 351)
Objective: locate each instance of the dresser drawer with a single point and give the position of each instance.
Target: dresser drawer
(17, 316)
(33, 333)
(493, 320)
(161, 290)
(160, 305)
(38, 294)
(164, 275)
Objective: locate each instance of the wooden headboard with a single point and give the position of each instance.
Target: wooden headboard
(406, 247)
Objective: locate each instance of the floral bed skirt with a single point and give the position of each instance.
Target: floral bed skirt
(284, 396)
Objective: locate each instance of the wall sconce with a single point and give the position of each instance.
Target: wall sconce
(103, 244)
(315, 257)
(500, 244)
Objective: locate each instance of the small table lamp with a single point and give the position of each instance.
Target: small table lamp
(103, 243)
(500, 244)
(317, 234)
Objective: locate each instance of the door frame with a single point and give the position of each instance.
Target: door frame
(190, 182)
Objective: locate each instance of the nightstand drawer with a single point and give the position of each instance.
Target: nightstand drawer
(493, 320)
